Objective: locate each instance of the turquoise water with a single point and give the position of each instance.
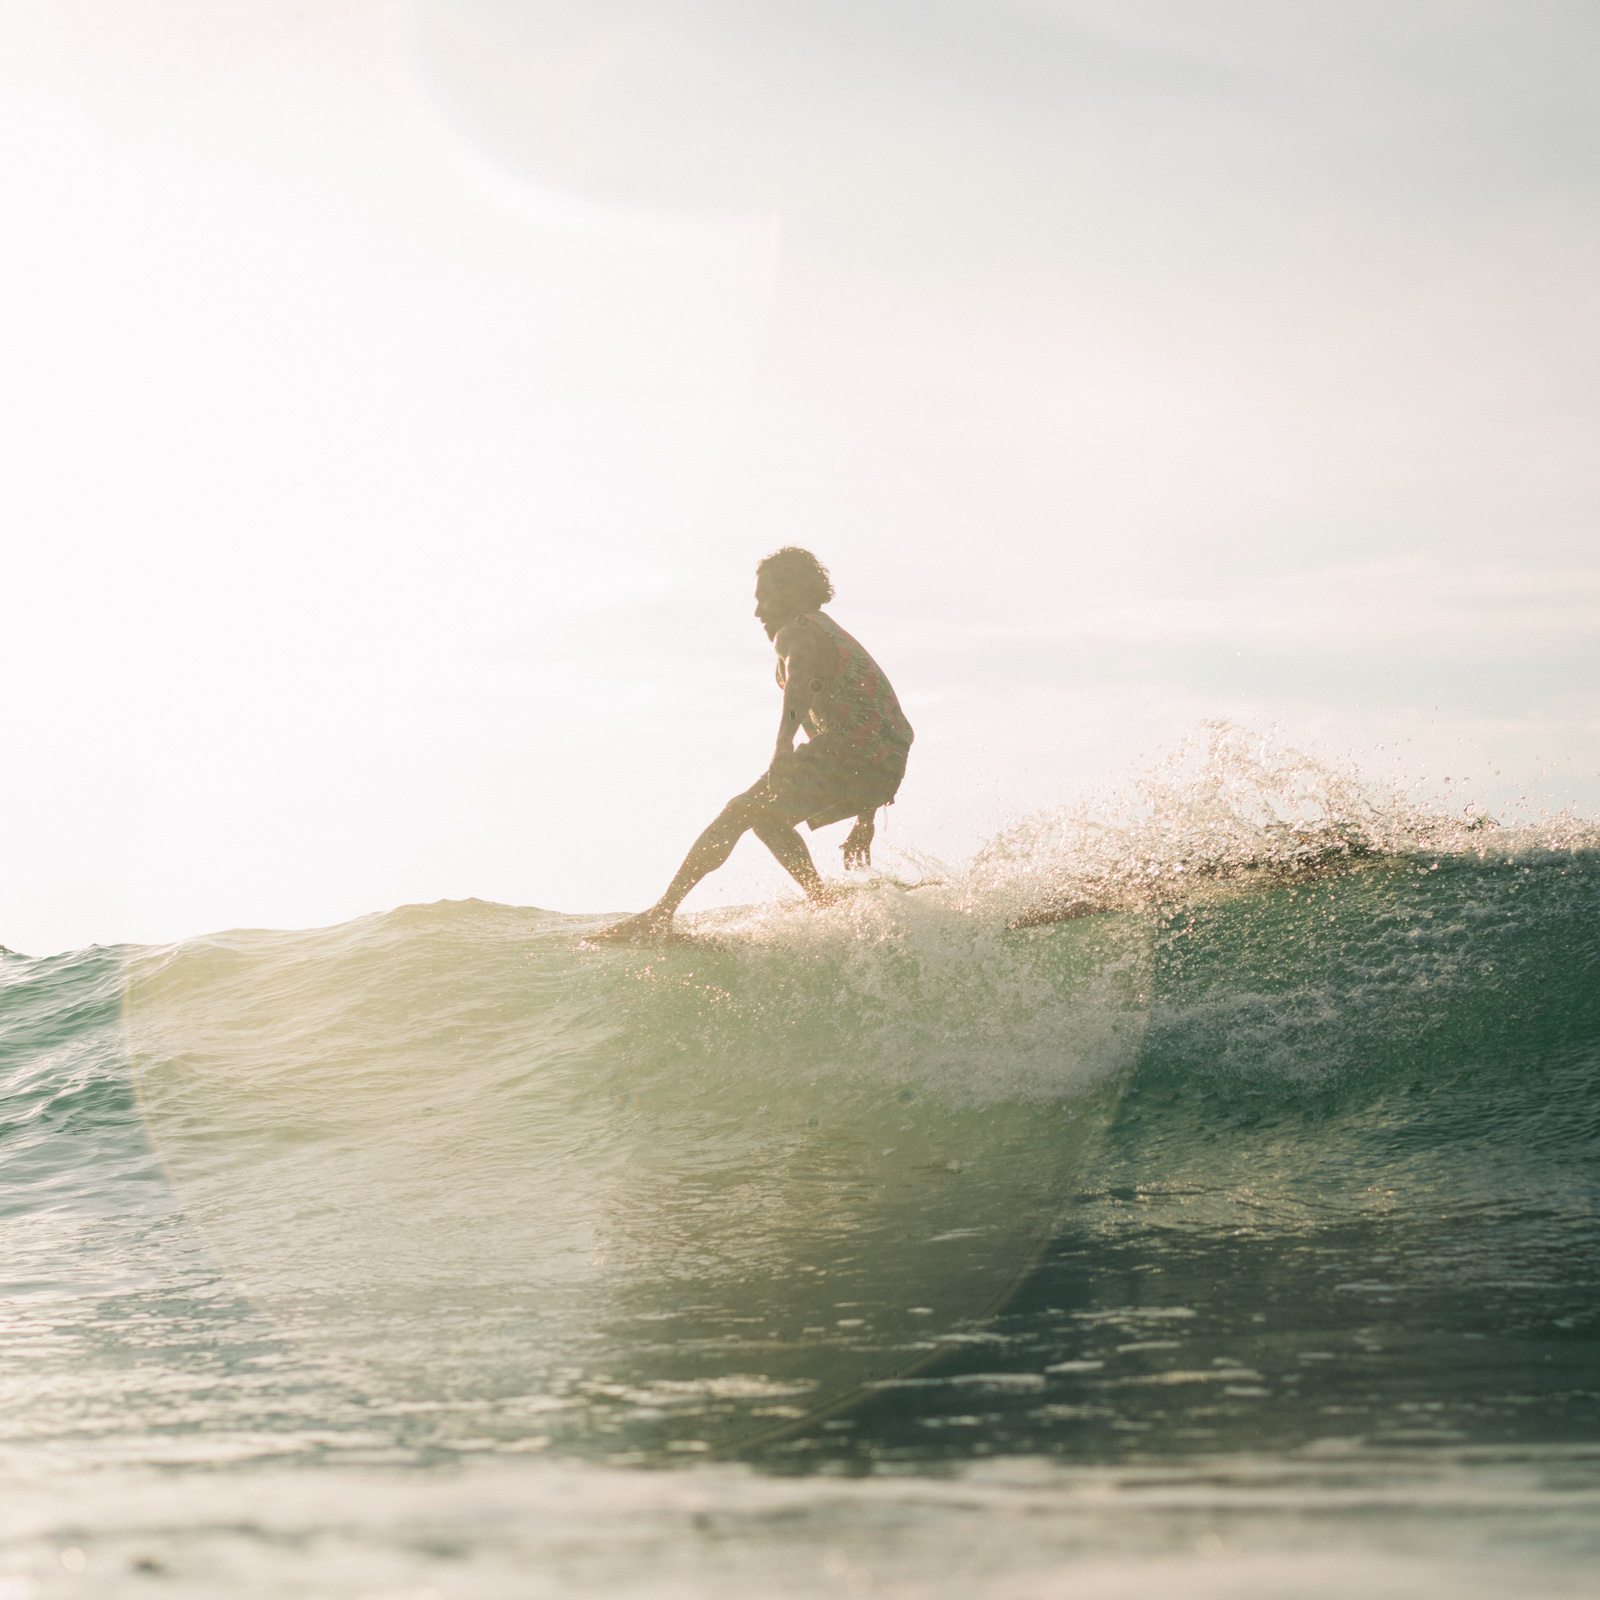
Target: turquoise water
(1245, 1237)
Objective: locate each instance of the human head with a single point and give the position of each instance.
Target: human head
(789, 581)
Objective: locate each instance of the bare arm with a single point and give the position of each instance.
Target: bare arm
(796, 697)
(801, 651)
(858, 846)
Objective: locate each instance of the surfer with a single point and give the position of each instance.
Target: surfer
(851, 762)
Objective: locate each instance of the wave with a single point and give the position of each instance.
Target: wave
(694, 1197)
(453, 1151)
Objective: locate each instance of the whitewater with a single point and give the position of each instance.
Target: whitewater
(1197, 1189)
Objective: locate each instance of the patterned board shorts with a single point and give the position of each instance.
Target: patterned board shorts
(819, 784)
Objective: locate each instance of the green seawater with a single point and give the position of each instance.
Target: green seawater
(1244, 1239)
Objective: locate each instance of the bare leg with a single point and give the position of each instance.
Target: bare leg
(706, 854)
(710, 850)
(790, 849)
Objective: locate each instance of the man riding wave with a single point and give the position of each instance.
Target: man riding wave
(852, 760)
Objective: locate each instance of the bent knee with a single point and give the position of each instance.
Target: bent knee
(759, 816)
(743, 811)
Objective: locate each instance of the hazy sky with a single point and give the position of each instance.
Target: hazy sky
(398, 397)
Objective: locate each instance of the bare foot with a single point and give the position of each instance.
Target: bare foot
(649, 927)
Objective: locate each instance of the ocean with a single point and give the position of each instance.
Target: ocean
(1241, 1238)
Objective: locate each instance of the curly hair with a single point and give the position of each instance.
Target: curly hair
(799, 572)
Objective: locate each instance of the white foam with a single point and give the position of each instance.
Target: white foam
(1017, 1530)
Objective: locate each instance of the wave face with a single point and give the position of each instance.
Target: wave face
(1293, 1147)
(459, 1156)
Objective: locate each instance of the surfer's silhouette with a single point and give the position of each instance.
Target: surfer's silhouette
(851, 762)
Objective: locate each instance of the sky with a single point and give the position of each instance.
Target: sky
(399, 393)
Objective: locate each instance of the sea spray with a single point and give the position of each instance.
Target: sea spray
(1227, 805)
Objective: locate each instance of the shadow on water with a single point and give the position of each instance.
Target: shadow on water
(1163, 1343)
(1352, 1193)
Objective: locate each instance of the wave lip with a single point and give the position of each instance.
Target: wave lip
(1230, 809)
